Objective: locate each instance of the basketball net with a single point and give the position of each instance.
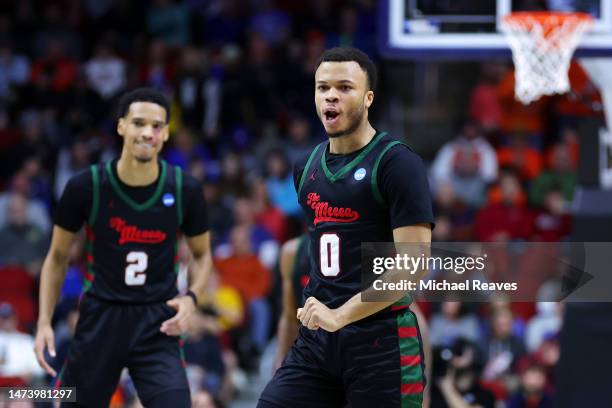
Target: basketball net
(542, 45)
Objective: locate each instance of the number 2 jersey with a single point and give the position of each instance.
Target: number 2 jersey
(132, 232)
(353, 198)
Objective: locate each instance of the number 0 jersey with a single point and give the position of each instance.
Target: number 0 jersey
(131, 245)
(355, 198)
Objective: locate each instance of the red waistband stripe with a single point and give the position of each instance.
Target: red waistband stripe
(404, 332)
(410, 361)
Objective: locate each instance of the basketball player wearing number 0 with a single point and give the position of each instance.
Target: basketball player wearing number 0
(360, 185)
(130, 314)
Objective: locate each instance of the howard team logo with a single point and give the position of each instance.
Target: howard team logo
(131, 233)
(323, 212)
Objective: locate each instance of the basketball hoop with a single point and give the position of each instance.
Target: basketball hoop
(542, 45)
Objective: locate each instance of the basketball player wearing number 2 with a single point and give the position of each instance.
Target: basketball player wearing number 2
(130, 314)
(359, 186)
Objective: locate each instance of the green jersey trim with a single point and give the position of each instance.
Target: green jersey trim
(375, 188)
(127, 199)
(353, 163)
(95, 204)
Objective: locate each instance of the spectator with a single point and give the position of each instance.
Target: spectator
(279, 183)
(520, 157)
(456, 372)
(452, 323)
(168, 22)
(14, 72)
(546, 323)
(22, 243)
(184, 149)
(233, 176)
(219, 212)
(198, 93)
(40, 183)
(583, 99)
(71, 160)
(484, 104)
(552, 223)
(16, 349)
(298, 143)
(532, 393)
(270, 22)
(203, 350)
(502, 349)
(505, 220)
(519, 118)
(267, 215)
(106, 73)
(561, 175)
(468, 162)
(262, 242)
(55, 72)
(459, 215)
(158, 70)
(351, 33)
(243, 271)
(224, 24)
(35, 210)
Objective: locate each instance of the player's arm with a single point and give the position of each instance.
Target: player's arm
(316, 315)
(200, 269)
(51, 279)
(202, 265)
(73, 207)
(195, 228)
(287, 325)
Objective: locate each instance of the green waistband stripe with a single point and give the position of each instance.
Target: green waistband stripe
(412, 400)
(411, 369)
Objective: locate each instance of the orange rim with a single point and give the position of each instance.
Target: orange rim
(546, 17)
(549, 20)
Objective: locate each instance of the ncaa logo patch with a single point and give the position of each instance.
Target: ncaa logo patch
(359, 174)
(168, 199)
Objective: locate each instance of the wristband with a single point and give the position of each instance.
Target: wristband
(193, 297)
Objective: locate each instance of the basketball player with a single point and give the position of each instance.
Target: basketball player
(360, 185)
(130, 314)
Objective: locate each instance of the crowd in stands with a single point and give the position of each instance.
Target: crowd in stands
(239, 74)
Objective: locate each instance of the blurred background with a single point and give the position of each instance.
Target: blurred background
(240, 77)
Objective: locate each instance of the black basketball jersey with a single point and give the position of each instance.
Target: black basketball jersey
(343, 209)
(132, 247)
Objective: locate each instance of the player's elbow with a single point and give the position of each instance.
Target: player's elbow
(58, 258)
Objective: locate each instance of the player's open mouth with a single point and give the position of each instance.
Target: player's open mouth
(331, 115)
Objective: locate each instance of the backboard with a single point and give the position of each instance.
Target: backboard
(455, 29)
